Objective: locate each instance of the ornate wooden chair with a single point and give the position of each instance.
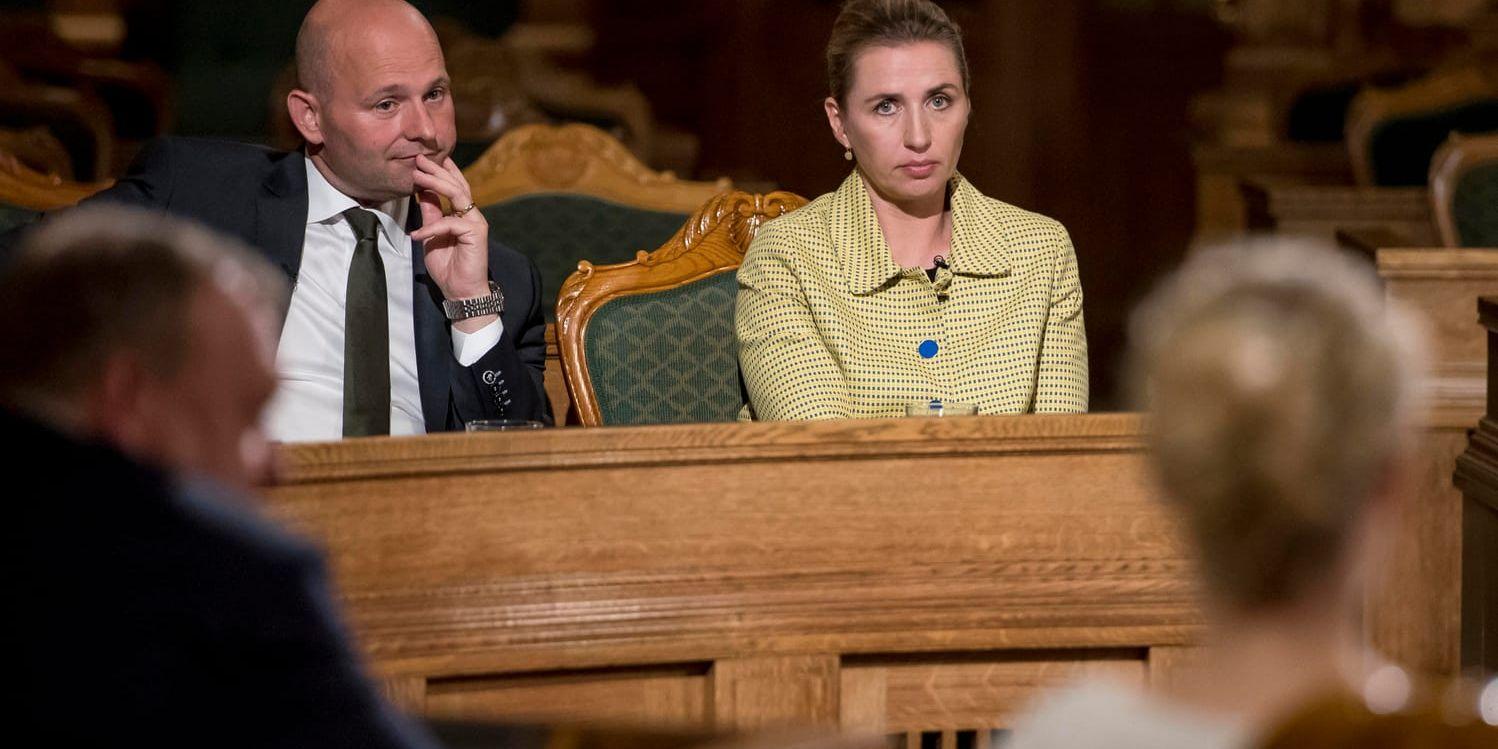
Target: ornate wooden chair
(39, 149)
(561, 194)
(78, 118)
(651, 341)
(1464, 191)
(25, 194)
(1393, 133)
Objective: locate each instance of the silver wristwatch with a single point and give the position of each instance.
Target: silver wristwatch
(462, 309)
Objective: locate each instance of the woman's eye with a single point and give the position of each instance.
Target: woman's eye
(885, 107)
(940, 101)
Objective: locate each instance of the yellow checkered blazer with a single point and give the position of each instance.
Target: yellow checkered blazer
(829, 327)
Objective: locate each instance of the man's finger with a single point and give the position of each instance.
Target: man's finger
(444, 186)
(452, 168)
(444, 226)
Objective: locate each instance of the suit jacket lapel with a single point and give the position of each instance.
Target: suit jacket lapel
(434, 348)
(281, 214)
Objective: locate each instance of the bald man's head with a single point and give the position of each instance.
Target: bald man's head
(373, 94)
(325, 35)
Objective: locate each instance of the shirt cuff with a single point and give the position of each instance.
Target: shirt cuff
(468, 348)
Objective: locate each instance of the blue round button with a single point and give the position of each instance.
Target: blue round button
(928, 349)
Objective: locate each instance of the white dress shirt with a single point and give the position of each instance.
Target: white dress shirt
(308, 404)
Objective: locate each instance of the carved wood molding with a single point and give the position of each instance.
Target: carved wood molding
(1433, 264)
(1443, 285)
(1477, 468)
(581, 159)
(531, 624)
(712, 241)
(1459, 155)
(1288, 202)
(39, 149)
(705, 444)
(21, 186)
(1373, 106)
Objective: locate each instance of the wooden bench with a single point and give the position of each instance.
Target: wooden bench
(1221, 206)
(1322, 210)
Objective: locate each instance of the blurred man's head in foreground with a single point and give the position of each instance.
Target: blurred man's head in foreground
(145, 332)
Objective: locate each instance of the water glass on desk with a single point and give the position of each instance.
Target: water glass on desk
(939, 407)
(501, 425)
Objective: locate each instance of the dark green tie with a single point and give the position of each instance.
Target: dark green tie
(366, 334)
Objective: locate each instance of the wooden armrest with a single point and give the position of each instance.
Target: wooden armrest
(1368, 241)
(76, 117)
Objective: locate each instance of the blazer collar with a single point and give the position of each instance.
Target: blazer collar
(281, 213)
(865, 254)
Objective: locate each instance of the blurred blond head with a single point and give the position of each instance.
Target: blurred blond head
(1280, 385)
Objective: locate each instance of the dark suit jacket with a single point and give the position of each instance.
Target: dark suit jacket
(169, 614)
(260, 196)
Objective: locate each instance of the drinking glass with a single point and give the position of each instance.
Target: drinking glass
(939, 407)
(501, 425)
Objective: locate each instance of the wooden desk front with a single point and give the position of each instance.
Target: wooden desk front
(904, 576)
(901, 576)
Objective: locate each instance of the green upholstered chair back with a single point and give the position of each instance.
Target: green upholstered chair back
(565, 193)
(12, 216)
(651, 341)
(667, 357)
(1400, 148)
(556, 230)
(1392, 133)
(1474, 206)
(1464, 191)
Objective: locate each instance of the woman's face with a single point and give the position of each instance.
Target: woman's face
(904, 115)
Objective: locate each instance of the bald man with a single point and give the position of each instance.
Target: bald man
(370, 217)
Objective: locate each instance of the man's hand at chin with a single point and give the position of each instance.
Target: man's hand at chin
(456, 245)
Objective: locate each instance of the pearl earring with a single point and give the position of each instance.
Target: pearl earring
(848, 154)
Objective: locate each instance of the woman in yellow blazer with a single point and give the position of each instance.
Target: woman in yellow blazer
(907, 284)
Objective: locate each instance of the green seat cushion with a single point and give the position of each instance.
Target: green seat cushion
(557, 230)
(1400, 149)
(667, 357)
(12, 216)
(1474, 206)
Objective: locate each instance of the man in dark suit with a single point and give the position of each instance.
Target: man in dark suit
(151, 602)
(357, 222)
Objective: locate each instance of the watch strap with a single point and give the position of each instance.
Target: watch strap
(462, 309)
